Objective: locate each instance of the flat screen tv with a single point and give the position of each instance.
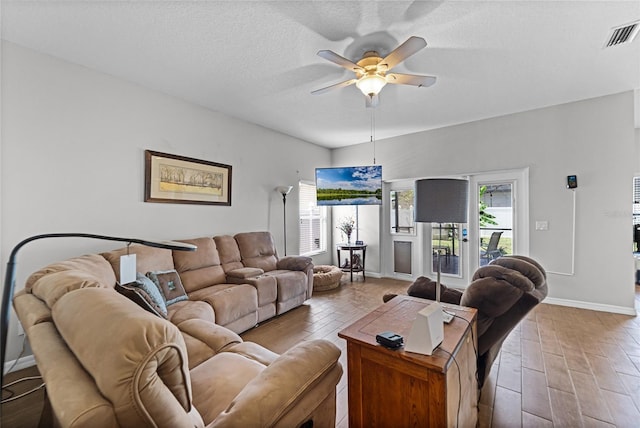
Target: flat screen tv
(349, 185)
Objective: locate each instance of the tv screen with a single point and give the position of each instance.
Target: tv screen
(349, 185)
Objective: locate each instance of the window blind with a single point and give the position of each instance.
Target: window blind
(313, 221)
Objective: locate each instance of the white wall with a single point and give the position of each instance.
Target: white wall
(73, 144)
(594, 139)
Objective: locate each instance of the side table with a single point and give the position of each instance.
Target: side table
(394, 388)
(351, 267)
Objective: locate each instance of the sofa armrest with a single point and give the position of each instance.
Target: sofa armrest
(285, 384)
(214, 336)
(30, 309)
(205, 339)
(300, 263)
(425, 288)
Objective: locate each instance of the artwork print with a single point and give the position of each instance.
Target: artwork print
(178, 179)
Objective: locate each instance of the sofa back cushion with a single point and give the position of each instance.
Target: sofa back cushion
(138, 361)
(229, 252)
(51, 287)
(201, 268)
(94, 264)
(147, 258)
(257, 250)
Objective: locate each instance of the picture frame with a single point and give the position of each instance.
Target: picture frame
(177, 179)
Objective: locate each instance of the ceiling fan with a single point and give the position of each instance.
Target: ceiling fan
(372, 71)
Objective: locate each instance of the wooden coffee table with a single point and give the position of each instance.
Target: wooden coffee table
(394, 388)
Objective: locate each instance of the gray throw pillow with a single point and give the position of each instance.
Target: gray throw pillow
(170, 285)
(146, 294)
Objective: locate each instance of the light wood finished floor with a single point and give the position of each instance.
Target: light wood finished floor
(561, 367)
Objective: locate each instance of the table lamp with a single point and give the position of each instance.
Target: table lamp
(437, 200)
(10, 274)
(441, 200)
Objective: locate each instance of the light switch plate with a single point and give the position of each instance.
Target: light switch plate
(542, 225)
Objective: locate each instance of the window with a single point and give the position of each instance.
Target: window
(636, 200)
(402, 211)
(313, 221)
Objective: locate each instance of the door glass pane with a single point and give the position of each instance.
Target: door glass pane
(496, 221)
(402, 212)
(445, 241)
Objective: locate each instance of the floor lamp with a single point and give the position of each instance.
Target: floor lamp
(284, 191)
(10, 274)
(441, 200)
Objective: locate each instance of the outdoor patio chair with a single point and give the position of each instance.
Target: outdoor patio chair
(491, 252)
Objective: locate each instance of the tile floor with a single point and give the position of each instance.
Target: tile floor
(561, 367)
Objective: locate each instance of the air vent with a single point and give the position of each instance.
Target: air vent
(623, 34)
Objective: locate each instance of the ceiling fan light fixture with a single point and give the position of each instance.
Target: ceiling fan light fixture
(371, 84)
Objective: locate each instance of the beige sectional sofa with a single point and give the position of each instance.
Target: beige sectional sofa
(106, 361)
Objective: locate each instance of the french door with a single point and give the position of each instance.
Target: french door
(499, 216)
(498, 225)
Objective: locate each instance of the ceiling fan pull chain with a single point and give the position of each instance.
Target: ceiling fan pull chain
(373, 133)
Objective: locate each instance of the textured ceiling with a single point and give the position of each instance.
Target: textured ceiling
(257, 60)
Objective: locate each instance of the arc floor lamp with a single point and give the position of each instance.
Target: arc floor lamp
(10, 273)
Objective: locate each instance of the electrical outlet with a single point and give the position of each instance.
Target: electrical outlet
(20, 329)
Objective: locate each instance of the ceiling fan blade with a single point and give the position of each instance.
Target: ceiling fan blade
(340, 60)
(335, 86)
(372, 101)
(402, 52)
(410, 79)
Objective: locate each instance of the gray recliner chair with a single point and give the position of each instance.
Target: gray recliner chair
(503, 292)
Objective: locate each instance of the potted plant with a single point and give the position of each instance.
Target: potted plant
(346, 226)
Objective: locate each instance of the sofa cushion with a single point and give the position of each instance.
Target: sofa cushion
(206, 255)
(201, 268)
(190, 309)
(290, 283)
(147, 258)
(94, 263)
(145, 294)
(257, 250)
(170, 285)
(53, 286)
(229, 252)
(217, 381)
(230, 302)
(71, 390)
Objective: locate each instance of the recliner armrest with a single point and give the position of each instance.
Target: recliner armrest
(300, 263)
(267, 399)
(425, 288)
(214, 336)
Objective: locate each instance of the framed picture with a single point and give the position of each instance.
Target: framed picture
(181, 180)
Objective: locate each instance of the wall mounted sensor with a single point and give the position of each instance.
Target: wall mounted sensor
(572, 181)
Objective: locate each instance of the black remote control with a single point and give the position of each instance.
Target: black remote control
(390, 339)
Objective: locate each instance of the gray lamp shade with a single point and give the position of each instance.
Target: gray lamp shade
(441, 200)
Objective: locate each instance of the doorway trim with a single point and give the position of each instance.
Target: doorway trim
(519, 180)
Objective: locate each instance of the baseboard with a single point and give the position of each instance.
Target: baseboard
(592, 306)
(373, 274)
(23, 363)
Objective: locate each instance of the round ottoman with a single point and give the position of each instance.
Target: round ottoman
(326, 277)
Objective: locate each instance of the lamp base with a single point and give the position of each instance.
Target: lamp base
(427, 331)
